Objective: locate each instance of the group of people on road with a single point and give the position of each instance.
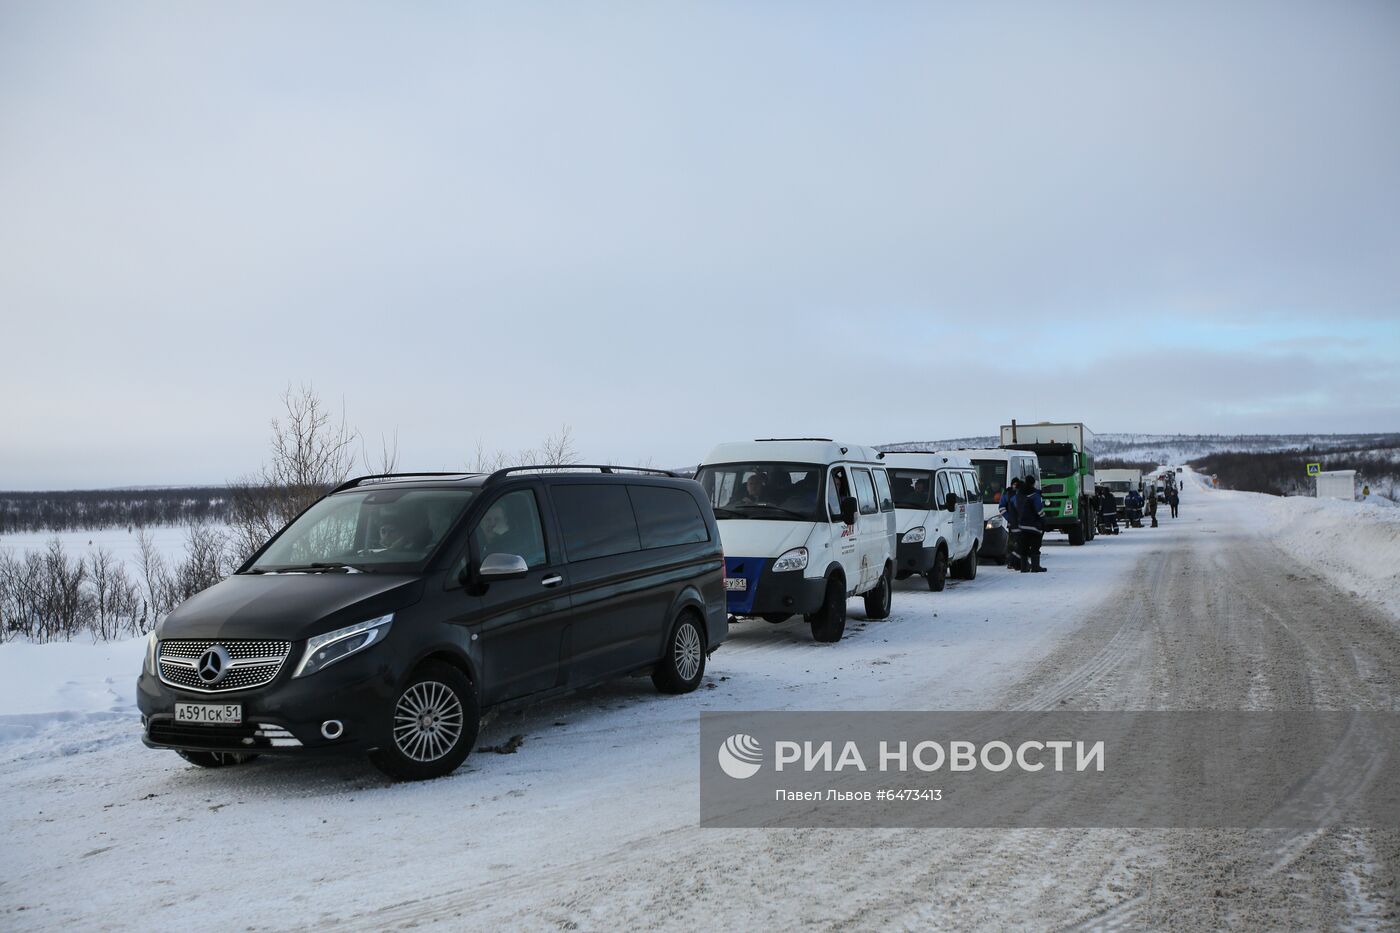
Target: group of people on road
(1024, 513)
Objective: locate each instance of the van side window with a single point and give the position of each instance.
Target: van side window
(940, 489)
(955, 485)
(882, 486)
(865, 492)
(970, 484)
(596, 520)
(667, 516)
(837, 488)
(512, 526)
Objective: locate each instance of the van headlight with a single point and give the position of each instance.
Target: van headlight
(996, 521)
(151, 644)
(324, 650)
(914, 535)
(796, 559)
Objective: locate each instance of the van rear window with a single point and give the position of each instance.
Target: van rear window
(667, 517)
(596, 520)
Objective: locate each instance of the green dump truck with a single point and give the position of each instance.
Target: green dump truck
(1066, 454)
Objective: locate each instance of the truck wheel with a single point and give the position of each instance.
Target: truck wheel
(966, 568)
(829, 622)
(877, 601)
(1076, 534)
(776, 618)
(1090, 521)
(938, 576)
(682, 667)
(434, 724)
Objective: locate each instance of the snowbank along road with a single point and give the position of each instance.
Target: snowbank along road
(591, 821)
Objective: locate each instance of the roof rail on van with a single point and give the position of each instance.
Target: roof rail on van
(572, 468)
(352, 483)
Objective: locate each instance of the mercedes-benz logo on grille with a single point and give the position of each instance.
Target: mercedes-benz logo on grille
(213, 665)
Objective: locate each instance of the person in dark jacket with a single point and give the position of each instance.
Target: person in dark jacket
(1133, 502)
(1173, 499)
(1007, 508)
(1152, 507)
(1030, 515)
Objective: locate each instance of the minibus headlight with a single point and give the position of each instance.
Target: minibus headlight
(151, 653)
(915, 535)
(324, 650)
(996, 521)
(796, 559)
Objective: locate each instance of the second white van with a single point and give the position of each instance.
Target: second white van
(938, 502)
(806, 524)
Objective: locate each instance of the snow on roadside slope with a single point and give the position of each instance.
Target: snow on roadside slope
(48, 691)
(1355, 545)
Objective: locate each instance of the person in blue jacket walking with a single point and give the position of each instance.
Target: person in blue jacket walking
(1007, 508)
(1030, 515)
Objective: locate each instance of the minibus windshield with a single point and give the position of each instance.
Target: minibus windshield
(993, 476)
(913, 489)
(366, 530)
(788, 492)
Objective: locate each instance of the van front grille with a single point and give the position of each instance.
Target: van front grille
(186, 663)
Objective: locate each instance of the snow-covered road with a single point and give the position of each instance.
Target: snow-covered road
(593, 821)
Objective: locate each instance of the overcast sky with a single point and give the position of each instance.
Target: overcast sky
(670, 225)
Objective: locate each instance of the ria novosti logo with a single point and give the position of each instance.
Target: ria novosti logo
(740, 756)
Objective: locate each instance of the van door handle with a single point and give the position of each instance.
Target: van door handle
(552, 580)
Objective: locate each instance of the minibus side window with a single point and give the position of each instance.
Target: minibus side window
(865, 492)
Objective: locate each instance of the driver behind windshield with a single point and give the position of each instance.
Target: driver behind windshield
(755, 488)
(401, 531)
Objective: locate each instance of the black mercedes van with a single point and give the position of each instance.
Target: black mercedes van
(392, 612)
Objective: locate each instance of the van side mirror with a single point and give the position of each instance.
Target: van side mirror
(951, 503)
(848, 510)
(502, 567)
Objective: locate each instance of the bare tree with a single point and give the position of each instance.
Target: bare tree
(312, 452)
(557, 450)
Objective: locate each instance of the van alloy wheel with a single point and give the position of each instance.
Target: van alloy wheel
(431, 728)
(682, 666)
(427, 721)
(687, 650)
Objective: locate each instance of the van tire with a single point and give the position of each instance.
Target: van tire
(216, 759)
(966, 569)
(829, 622)
(776, 618)
(938, 574)
(879, 599)
(427, 684)
(684, 655)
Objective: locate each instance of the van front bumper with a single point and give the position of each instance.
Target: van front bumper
(994, 541)
(913, 559)
(284, 717)
(769, 593)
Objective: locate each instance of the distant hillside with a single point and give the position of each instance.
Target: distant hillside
(1271, 463)
(1178, 448)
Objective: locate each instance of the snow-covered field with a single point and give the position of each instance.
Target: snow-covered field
(592, 823)
(169, 542)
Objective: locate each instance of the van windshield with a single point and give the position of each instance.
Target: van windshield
(389, 530)
(993, 476)
(766, 491)
(913, 489)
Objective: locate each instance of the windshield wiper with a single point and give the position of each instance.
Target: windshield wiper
(314, 567)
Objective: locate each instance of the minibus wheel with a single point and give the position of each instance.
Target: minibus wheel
(938, 574)
(829, 622)
(967, 567)
(433, 724)
(877, 601)
(682, 666)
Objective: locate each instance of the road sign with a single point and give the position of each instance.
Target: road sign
(1314, 469)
